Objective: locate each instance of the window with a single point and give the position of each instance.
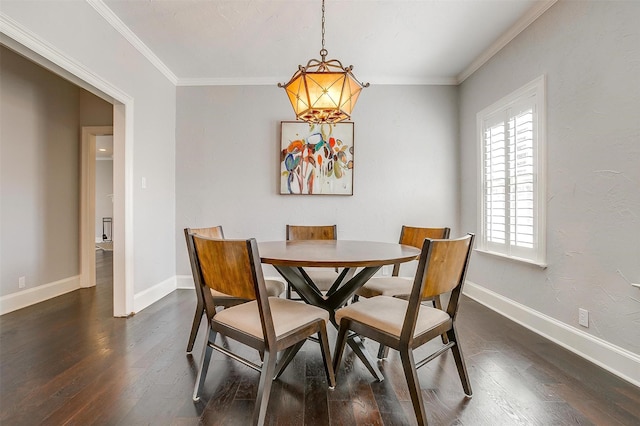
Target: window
(512, 164)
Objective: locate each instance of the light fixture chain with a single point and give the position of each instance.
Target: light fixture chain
(323, 52)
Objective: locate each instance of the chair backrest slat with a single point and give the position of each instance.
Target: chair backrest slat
(226, 267)
(415, 236)
(412, 236)
(211, 232)
(303, 232)
(446, 266)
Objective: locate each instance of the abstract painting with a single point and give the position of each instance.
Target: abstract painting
(316, 159)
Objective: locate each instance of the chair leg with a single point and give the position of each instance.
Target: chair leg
(341, 341)
(457, 356)
(357, 345)
(264, 387)
(411, 374)
(326, 357)
(196, 325)
(204, 365)
(438, 305)
(383, 351)
(287, 357)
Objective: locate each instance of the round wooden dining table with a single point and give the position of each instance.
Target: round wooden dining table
(358, 261)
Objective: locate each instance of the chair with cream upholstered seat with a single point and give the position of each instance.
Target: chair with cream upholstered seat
(406, 324)
(275, 287)
(323, 278)
(395, 285)
(267, 324)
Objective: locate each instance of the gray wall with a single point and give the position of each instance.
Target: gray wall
(40, 119)
(66, 26)
(95, 111)
(227, 164)
(39, 175)
(590, 54)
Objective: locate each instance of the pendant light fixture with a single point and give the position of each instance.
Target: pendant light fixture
(323, 91)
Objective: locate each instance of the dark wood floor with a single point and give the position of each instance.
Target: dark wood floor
(67, 361)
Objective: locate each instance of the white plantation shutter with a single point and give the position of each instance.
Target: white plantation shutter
(512, 192)
(495, 165)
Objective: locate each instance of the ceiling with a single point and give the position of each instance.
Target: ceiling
(262, 42)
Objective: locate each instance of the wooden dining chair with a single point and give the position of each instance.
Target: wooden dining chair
(268, 324)
(323, 278)
(274, 287)
(406, 324)
(395, 285)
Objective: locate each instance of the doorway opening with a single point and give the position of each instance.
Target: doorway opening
(104, 193)
(45, 55)
(96, 198)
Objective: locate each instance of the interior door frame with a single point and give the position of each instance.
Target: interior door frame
(88, 202)
(29, 45)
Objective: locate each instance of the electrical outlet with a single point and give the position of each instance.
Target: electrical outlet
(22, 282)
(583, 317)
(386, 270)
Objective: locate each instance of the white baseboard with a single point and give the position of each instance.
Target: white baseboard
(31, 296)
(141, 300)
(185, 282)
(151, 295)
(619, 361)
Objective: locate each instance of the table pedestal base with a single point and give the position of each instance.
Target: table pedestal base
(335, 298)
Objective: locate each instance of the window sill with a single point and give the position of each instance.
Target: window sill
(516, 259)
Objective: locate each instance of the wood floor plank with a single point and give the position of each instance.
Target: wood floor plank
(316, 406)
(341, 413)
(90, 401)
(67, 361)
(365, 407)
(389, 407)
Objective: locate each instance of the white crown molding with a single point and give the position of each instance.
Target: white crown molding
(14, 31)
(26, 38)
(120, 26)
(232, 81)
(617, 360)
(428, 81)
(526, 20)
